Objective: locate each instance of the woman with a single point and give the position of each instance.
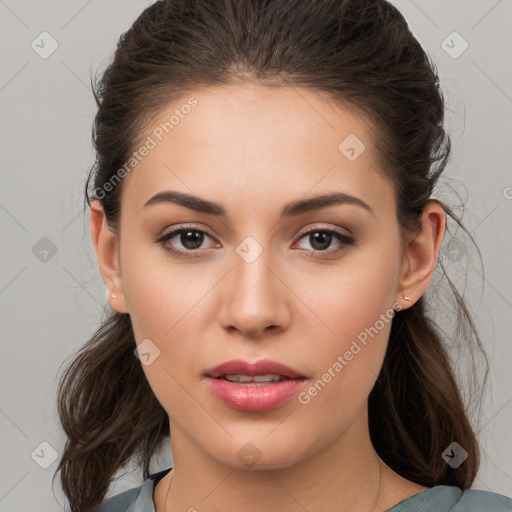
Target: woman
(263, 219)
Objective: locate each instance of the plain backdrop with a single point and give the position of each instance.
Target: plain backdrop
(51, 293)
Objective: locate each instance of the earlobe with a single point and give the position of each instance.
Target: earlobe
(421, 253)
(107, 254)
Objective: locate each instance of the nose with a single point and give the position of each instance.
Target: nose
(255, 299)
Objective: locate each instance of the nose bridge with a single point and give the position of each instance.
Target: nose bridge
(254, 299)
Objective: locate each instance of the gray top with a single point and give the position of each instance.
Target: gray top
(441, 498)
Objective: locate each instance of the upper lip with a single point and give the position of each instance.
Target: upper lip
(261, 367)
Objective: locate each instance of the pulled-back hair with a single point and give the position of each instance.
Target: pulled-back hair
(362, 54)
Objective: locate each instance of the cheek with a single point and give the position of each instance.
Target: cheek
(347, 366)
(356, 309)
(351, 298)
(167, 304)
(161, 296)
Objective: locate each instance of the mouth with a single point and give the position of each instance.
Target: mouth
(254, 387)
(253, 380)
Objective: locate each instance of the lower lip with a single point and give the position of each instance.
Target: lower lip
(254, 398)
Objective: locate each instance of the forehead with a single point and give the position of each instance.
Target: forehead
(258, 143)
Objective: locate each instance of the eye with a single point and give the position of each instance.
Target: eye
(190, 237)
(321, 239)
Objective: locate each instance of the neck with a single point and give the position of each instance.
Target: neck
(345, 475)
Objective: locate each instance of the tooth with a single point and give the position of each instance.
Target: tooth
(266, 378)
(270, 377)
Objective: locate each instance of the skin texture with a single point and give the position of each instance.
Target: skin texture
(253, 149)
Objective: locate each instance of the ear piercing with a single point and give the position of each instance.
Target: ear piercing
(112, 294)
(407, 298)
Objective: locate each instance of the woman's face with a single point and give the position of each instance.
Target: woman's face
(260, 277)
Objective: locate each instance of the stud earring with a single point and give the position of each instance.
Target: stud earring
(407, 298)
(113, 296)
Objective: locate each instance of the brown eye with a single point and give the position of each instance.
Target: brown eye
(187, 239)
(320, 240)
(191, 239)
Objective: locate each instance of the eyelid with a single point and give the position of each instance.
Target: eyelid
(323, 227)
(179, 229)
(186, 225)
(346, 239)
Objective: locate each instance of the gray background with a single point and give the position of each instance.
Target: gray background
(52, 302)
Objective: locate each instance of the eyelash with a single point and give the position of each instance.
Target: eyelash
(343, 238)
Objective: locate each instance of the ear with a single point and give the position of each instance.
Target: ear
(421, 253)
(107, 253)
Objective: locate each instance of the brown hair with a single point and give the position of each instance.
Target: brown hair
(360, 52)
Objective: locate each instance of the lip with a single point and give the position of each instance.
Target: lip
(254, 398)
(259, 398)
(261, 367)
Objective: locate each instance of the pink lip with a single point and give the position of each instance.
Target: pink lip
(254, 398)
(261, 367)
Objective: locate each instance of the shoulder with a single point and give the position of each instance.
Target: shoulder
(476, 500)
(447, 498)
(120, 502)
(138, 499)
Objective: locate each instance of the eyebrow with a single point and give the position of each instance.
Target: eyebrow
(290, 209)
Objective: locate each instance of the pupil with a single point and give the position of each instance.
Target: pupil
(191, 239)
(320, 240)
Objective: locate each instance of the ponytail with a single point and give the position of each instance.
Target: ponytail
(108, 412)
(415, 408)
